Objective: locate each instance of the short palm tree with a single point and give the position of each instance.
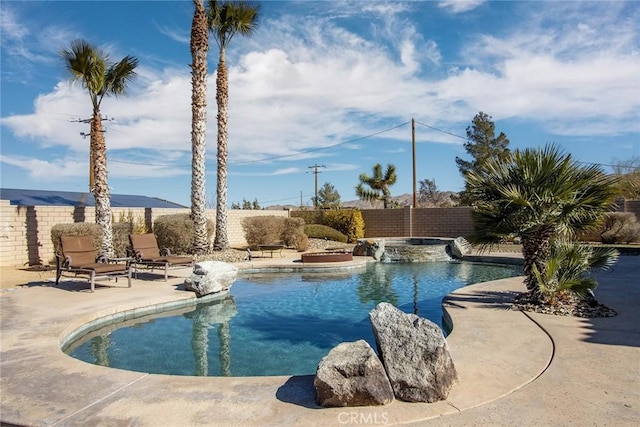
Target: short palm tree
(537, 195)
(199, 49)
(101, 78)
(569, 268)
(379, 185)
(226, 19)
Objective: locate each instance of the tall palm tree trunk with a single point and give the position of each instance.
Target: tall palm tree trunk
(101, 189)
(221, 240)
(199, 48)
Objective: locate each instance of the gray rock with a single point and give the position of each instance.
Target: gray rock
(372, 248)
(459, 247)
(414, 353)
(211, 277)
(352, 375)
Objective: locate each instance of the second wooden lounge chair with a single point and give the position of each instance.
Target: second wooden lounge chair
(146, 253)
(78, 256)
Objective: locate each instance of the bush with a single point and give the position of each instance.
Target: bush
(262, 230)
(293, 234)
(318, 231)
(310, 217)
(176, 232)
(138, 224)
(76, 229)
(348, 221)
(620, 227)
(121, 231)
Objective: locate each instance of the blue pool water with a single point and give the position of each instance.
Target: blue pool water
(278, 324)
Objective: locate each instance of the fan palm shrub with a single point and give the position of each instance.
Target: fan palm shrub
(537, 195)
(568, 269)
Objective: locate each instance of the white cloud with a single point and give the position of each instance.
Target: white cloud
(311, 84)
(460, 6)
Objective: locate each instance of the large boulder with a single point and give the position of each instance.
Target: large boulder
(459, 247)
(210, 277)
(372, 248)
(352, 375)
(414, 353)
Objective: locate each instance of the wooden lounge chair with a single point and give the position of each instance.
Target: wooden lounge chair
(78, 256)
(146, 253)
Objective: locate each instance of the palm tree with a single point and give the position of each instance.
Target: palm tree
(379, 185)
(537, 195)
(199, 48)
(101, 78)
(569, 269)
(226, 19)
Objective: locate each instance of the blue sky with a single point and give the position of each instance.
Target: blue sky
(333, 83)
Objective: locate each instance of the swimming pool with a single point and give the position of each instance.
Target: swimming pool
(278, 324)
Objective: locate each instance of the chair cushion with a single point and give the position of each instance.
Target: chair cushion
(79, 249)
(145, 244)
(102, 268)
(174, 259)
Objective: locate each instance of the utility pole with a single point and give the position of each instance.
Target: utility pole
(85, 135)
(413, 147)
(316, 172)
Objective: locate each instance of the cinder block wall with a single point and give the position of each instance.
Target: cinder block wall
(13, 234)
(25, 231)
(442, 222)
(384, 223)
(633, 206)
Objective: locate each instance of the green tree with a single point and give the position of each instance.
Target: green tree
(429, 196)
(100, 78)
(379, 185)
(482, 145)
(328, 197)
(226, 19)
(537, 195)
(199, 48)
(247, 205)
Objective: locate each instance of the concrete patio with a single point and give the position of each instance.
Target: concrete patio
(515, 368)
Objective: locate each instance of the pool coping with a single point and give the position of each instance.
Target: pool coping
(78, 393)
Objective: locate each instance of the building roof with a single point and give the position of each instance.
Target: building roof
(20, 197)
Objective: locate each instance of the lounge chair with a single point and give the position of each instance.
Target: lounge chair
(144, 248)
(78, 256)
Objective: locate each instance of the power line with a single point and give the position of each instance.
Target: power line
(442, 131)
(321, 148)
(277, 157)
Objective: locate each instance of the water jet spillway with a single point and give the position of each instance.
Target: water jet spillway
(416, 249)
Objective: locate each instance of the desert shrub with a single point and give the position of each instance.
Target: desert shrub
(309, 216)
(76, 229)
(299, 240)
(293, 234)
(262, 230)
(318, 231)
(620, 227)
(347, 221)
(121, 231)
(176, 232)
(138, 224)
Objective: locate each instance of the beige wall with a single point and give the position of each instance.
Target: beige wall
(419, 222)
(25, 231)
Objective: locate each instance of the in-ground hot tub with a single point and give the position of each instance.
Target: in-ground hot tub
(327, 257)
